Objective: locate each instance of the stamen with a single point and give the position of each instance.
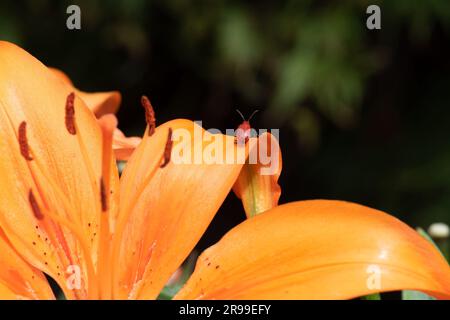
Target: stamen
(168, 149)
(103, 195)
(70, 114)
(23, 141)
(35, 206)
(149, 115)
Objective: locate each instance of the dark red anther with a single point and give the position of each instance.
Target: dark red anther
(70, 114)
(103, 196)
(149, 115)
(168, 149)
(23, 141)
(35, 206)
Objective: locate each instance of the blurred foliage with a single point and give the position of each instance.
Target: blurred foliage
(363, 114)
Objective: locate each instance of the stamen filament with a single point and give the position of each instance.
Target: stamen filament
(108, 123)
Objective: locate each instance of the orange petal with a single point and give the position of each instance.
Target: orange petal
(8, 294)
(50, 205)
(18, 279)
(318, 249)
(99, 102)
(124, 146)
(169, 208)
(257, 184)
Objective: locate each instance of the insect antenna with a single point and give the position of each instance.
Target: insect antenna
(254, 112)
(242, 116)
(240, 113)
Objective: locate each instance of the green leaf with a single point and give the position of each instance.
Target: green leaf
(374, 296)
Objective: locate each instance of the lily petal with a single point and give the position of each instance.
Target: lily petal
(18, 279)
(50, 164)
(124, 146)
(257, 184)
(169, 208)
(319, 249)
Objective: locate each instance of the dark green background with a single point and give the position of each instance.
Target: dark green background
(364, 115)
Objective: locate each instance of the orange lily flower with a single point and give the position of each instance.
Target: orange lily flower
(65, 212)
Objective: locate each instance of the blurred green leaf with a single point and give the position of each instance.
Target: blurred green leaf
(375, 296)
(169, 291)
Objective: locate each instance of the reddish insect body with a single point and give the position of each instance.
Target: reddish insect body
(243, 132)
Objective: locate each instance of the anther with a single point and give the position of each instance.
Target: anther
(35, 206)
(149, 115)
(103, 196)
(70, 114)
(168, 149)
(23, 141)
